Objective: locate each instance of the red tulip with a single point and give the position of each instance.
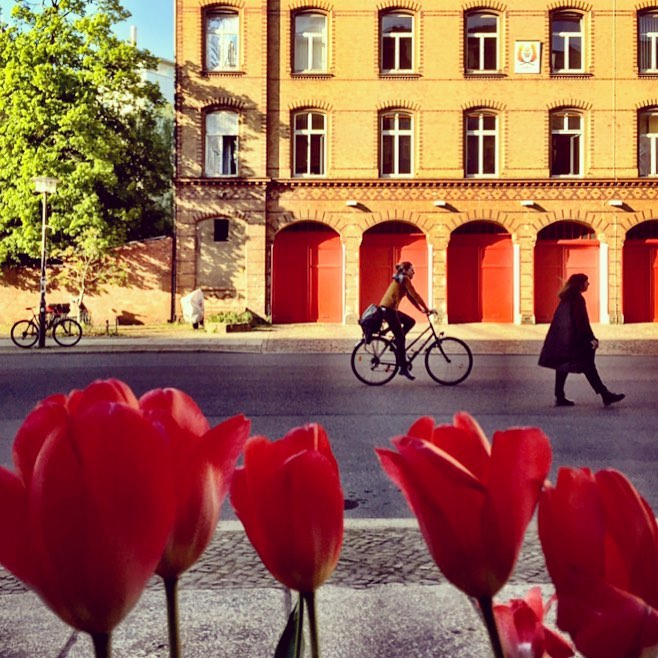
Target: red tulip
(473, 501)
(600, 541)
(203, 463)
(86, 514)
(289, 499)
(522, 632)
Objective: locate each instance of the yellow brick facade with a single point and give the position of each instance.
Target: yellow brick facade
(352, 91)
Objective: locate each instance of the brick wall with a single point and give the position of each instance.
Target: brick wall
(144, 299)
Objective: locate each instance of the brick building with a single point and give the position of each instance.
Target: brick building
(500, 146)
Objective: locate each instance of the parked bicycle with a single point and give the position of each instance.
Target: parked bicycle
(66, 331)
(448, 360)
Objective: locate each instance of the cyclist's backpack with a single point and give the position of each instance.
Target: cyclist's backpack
(371, 321)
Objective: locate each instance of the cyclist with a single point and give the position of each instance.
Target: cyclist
(399, 322)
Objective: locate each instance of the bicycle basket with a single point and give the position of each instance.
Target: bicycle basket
(371, 321)
(59, 309)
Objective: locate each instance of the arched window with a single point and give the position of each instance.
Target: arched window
(482, 39)
(567, 42)
(309, 148)
(222, 40)
(310, 49)
(221, 144)
(648, 143)
(567, 135)
(397, 42)
(396, 144)
(481, 151)
(648, 45)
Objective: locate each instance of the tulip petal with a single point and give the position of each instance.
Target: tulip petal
(520, 462)
(176, 405)
(633, 531)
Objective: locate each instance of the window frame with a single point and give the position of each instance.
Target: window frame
(207, 17)
(652, 147)
(235, 158)
(566, 40)
(652, 46)
(481, 39)
(397, 37)
(480, 134)
(566, 114)
(310, 38)
(397, 135)
(307, 133)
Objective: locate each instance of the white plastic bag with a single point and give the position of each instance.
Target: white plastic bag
(192, 307)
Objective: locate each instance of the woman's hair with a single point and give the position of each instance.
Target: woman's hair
(574, 285)
(404, 266)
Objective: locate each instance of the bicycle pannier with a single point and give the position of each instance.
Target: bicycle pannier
(371, 321)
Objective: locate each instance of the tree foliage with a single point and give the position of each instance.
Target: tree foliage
(73, 105)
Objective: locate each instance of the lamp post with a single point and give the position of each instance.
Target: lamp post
(43, 185)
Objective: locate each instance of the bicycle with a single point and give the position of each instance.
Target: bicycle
(448, 360)
(66, 331)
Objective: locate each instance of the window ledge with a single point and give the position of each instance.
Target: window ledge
(312, 75)
(573, 76)
(485, 74)
(224, 74)
(387, 75)
(648, 74)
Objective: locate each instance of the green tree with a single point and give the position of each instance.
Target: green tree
(73, 105)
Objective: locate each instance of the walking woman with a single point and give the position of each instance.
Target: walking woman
(570, 343)
(399, 322)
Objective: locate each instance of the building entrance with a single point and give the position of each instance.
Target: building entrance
(640, 273)
(307, 274)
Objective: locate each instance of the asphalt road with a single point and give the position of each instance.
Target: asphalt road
(280, 391)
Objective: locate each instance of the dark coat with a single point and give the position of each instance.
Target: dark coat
(568, 344)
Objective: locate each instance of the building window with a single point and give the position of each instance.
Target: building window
(567, 43)
(648, 46)
(648, 139)
(396, 144)
(222, 40)
(397, 42)
(481, 144)
(221, 144)
(309, 136)
(310, 43)
(566, 144)
(481, 42)
(220, 230)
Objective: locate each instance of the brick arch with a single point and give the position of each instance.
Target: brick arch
(569, 103)
(408, 5)
(577, 216)
(284, 220)
(311, 104)
(649, 104)
(631, 220)
(484, 104)
(472, 5)
(322, 5)
(577, 5)
(646, 4)
(399, 104)
(404, 217)
(224, 103)
(211, 4)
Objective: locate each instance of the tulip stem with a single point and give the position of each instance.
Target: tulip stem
(102, 644)
(486, 606)
(309, 598)
(299, 630)
(171, 589)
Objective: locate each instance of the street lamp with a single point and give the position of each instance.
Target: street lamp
(43, 185)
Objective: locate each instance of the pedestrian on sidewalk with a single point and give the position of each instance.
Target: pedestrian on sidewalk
(399, 322)
(570, 343)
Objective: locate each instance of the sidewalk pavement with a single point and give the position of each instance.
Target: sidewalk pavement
(483, 338)
(386, 599)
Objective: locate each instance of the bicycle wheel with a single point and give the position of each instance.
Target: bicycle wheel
(374, 363)
(24, 333)
(449, 361)
(67, 332)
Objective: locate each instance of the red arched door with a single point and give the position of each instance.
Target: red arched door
(480, 274)
(382, 248)
(563, 249)
(307, 274)
(640, 273)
